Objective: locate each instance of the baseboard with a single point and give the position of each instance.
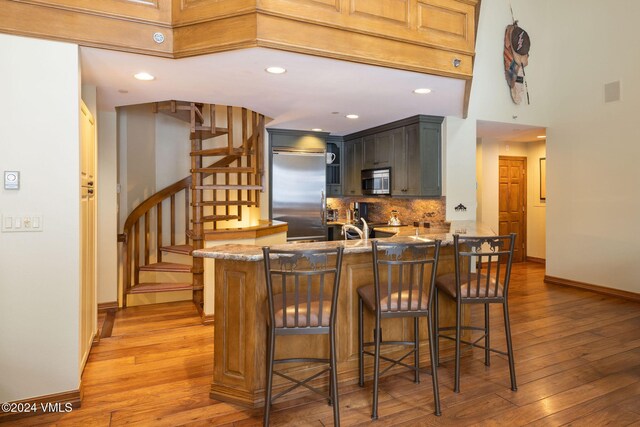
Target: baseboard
(207, 319)
(104, 306)
(632, 296)
(536, 260)
(58, 402)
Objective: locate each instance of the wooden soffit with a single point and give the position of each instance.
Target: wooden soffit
(428, 36)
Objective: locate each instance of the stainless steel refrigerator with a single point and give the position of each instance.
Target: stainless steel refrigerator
(298, 182)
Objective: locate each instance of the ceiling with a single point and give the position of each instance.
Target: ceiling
(315, 92)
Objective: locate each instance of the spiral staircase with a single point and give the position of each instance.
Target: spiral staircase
(161, 233)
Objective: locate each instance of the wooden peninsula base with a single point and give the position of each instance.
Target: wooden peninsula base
(240, 321)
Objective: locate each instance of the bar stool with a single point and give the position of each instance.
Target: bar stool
(482, 272)
(404, 275)
(302, 293)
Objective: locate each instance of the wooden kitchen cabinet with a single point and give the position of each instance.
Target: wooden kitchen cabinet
(411, 147)
(352, 167)
(417, 166)
(378, 149)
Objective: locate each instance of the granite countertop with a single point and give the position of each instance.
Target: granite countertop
(403, 234)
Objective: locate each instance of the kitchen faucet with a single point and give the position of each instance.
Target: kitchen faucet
(350, 227)
(365, 228)
(364, 233)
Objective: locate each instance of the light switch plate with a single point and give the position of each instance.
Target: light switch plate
(11, 180)
(14, 223)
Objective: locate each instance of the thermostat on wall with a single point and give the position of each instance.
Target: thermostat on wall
(11, 180)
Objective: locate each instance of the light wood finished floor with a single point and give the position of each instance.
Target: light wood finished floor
(577, 362)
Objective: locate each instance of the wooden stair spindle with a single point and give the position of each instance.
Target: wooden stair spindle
(159, 232)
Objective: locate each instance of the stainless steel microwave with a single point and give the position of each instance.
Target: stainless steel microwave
(376, 181)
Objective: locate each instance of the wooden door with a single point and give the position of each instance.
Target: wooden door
(513, 202)
(88, 239)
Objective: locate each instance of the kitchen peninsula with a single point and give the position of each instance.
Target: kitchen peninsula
(241, 312)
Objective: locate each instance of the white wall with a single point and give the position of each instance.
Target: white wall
(490, 99)
(593, 197)
(39, 271)
(137, 154)
(173, 161)
(536, 208)
(459, 171)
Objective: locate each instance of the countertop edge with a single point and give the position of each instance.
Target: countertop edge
(236, 252)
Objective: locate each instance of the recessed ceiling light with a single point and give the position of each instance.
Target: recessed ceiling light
(316, 130)
(275, 70)
(541, 136)
(351, 116)
(422, 91)
(144, 76)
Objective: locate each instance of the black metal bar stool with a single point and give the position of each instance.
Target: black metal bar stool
(302, 293)
(404, 275)
(482, 272)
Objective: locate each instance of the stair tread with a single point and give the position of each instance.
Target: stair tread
(229, 169)
(205, 132)
(167, 267)
(218, 152)
(219, 217)
(143, 288)
(178, 249)
(228, 187)
(227, 203)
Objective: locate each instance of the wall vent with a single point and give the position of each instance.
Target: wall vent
(612, 91)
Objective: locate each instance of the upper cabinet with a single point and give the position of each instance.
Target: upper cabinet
(411, 147)
(378, 148)
(352, 167)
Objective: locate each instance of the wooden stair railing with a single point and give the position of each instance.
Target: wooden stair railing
(206, 201)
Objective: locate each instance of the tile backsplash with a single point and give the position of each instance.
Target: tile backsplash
(409, 210)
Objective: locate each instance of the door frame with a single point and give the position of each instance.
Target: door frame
(524, 199)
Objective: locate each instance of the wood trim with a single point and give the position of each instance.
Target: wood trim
(632, 296)
(469, 83)
(537, 260)
(106, 306)
(349, 45)
(66, 400)
(107, 325)
(85, 29)
(207, 319)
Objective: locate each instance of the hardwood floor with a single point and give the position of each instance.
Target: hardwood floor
(577, 363)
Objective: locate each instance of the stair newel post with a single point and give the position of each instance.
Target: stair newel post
(239, 192)
(158, 232)
(197, 214)
(227, 193)
(245, 148)
(259, 161)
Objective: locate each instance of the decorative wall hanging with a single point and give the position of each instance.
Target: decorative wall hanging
(516, 57)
